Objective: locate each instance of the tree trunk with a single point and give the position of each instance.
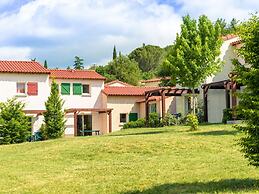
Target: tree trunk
(193, 102)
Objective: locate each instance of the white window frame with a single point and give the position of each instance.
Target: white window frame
(86, 94)
(122, 123)
(22, 94)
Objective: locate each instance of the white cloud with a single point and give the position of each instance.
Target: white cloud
(226, 9)
(87, 28)
(15, 53)
(58, 30)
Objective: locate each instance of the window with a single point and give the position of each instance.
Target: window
(20, 88)
(133, 117)
(32, 88)
(65, 88)
(152, 108)
(123, 118)
(77, 89)
(86, 89)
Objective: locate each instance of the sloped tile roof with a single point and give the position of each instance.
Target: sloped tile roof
(229, 36)
(75, 74)
(126, 91)
(22, 67)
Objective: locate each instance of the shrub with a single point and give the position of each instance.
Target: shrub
(227, 115)
(170, 120)
(192, 121)
(14, 124)
(135, 124)
(154, 120)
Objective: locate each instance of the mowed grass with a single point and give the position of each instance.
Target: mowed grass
(164, 160)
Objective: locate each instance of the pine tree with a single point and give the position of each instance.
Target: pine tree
(54, 116)
(248, 75)
(78, 63)
(46, 64)
(14, 124)
(114, 54)
(193, 57)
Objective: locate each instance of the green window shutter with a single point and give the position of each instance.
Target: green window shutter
(133, 116)
(65, 88)
(77, 89)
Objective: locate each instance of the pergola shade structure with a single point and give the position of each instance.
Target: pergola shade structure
(164, 92)
(226, 85)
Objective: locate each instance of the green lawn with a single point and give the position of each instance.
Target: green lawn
(164, 160)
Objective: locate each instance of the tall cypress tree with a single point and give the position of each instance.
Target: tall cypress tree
(46, 64)
(54, 116)
(114, 54)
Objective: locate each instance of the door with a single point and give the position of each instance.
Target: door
(84, 123)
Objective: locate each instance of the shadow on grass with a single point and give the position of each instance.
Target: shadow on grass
(227, 185)
(219, 132)
(140, 133)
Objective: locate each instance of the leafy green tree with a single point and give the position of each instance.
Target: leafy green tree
(68, 67)
(46, 64)
(14, 124)
(78, 63)
(54, 116)
(124, 70)
(148, 57)
(228, 28)
(114, 54)
(248, 75)
(193, 57)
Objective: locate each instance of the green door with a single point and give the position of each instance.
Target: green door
(133, 116)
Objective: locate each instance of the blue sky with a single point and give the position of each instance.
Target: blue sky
(57, 30)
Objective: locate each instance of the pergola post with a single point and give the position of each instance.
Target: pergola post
(75, 123)
(234, 98)
(205, 101)
(163, 103)
(146, 106)
(110, 121)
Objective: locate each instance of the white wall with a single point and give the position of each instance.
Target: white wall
(8, 89)
(226, 55)
(122, 104)
(80, 101)
(216, 105)
(217, 98)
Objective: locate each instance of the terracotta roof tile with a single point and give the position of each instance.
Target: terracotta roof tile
(75, 74)
(22, 67)
(126, 91)
(235, 43)
(229, 36)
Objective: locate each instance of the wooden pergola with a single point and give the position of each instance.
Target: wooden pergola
(163, 92)
(226, 85)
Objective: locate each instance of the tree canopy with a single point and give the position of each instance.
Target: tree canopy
(193, 56)
(248, 75)
(148, 57)
(78, 63)
(228, 28)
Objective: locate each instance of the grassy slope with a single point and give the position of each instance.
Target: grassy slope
(166, 160)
